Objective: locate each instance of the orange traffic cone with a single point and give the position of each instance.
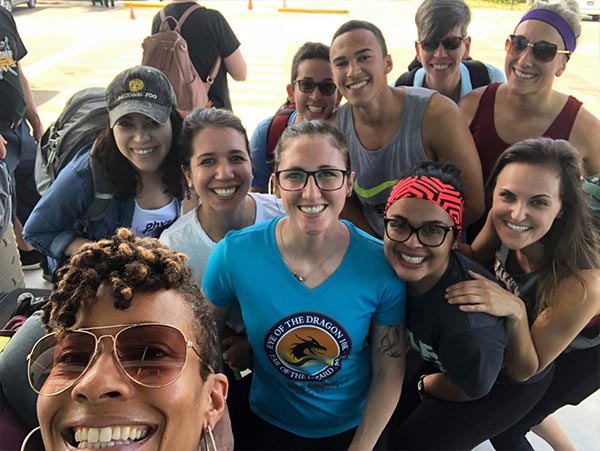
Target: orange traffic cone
(131, 13)
(250, 5)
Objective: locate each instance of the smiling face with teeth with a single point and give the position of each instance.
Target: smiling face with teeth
(314, 105)
(312, 210)
(359, 66)
(142, 141)
(220, 168)
(526, 201)
(105, 409)
(420, 266)
(524, 73)
(442, 66)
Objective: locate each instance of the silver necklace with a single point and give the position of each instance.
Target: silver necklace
(286, 256)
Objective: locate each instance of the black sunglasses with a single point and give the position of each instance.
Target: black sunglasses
(307, 86)
(449, 43)
(542, 51)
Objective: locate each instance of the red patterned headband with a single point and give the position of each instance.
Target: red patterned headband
(433, 190)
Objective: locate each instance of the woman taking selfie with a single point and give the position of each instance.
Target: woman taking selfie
(322, 308)
(132, 354)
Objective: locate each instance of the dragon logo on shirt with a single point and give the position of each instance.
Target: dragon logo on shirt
(307, 346)
(7, 60)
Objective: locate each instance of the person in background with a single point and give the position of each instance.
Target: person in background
(139, 152)
(390, 129)
(547, 256)
(312, 94)
(17, 146)
(442, 62)
(209, 37)
(131, 356)
(218, 168)
(527, 106)
(323, 309)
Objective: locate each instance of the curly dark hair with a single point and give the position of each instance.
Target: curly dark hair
(123, 175)
(127, 264)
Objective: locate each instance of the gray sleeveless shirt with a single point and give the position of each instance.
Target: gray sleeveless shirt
(377, 171)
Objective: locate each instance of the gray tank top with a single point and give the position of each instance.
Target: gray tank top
(377, 171)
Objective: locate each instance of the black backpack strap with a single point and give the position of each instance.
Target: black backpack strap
(478, 72)
(103, 191)
(278, 124)
(407, 78)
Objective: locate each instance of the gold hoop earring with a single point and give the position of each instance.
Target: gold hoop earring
(28, 437)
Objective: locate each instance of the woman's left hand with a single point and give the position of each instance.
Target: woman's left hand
(485, 296)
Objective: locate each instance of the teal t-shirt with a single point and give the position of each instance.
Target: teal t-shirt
(312, 359)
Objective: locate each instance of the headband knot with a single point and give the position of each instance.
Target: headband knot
(555, 20)
(433, 190)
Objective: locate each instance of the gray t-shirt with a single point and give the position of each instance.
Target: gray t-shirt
(377, 171)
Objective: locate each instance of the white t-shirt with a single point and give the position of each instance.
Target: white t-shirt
(187, 235)
(151, 223)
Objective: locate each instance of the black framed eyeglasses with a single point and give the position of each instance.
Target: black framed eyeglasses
(296, 179)
(150, 354)
(543, 51)
(430, 235)
(449, 43)
(306, 85)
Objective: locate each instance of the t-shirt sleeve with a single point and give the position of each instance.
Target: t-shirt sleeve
(473, 359)
(258, 151)
(228, 41)
(216, 283)
(19, 49)
(391, 309)
(496, 75)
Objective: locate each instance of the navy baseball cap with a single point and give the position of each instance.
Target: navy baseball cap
(140, 89)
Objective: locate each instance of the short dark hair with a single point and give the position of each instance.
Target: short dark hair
(200, 119)
(362, 25)
(127, 264)
(436, 18)
(309, 51)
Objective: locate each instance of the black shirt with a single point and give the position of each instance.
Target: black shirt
(468, 347)
(12, 49)
(208, 36)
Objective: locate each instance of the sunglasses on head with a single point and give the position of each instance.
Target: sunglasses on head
(307, 86)
(449, 43)
(151, 355)
(542, 51)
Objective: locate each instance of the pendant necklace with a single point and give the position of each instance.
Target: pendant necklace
(299, 277)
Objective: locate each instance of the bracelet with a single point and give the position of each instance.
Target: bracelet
(421, 387)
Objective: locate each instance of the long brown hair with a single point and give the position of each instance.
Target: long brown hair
(571, 245)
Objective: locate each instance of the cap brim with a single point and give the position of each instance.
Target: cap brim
(158, 113)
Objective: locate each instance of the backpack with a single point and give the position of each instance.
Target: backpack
(477, 70)
(278, 124)
(168, 52)
(84, 116)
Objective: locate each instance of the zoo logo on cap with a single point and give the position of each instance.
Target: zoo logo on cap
(307, 346)
(135, 85)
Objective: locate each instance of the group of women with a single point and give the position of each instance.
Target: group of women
(325, 311)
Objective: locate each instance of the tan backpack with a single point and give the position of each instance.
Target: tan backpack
(168, 52)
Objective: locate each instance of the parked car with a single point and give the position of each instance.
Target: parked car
(590, 8)
(8, 4)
